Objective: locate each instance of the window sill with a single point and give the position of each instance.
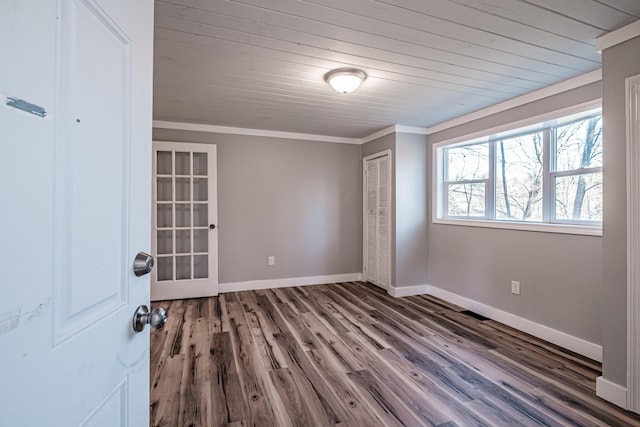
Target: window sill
(584, 230)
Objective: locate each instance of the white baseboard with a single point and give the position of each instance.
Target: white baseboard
(253, 285)
(611, 392)
(562, 339)
(407, 291)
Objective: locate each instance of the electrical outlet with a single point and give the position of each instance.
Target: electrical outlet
(515, 287)
(272, 260)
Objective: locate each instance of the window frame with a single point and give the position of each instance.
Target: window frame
(545, 123)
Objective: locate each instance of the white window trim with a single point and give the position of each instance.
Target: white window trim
(558, 226)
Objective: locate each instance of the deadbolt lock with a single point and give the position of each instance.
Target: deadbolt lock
(142, 264)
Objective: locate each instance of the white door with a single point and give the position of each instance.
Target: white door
(75, 133)
(184, 234)
(377, 219)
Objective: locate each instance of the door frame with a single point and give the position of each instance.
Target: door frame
(382, 153)
(632, 87)
(158, 291)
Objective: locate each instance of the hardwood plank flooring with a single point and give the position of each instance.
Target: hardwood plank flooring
(348, 354)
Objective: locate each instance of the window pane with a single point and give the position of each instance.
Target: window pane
(519, 178)
(579, 144)
(579, 197)
(466, 200)
(467, 163)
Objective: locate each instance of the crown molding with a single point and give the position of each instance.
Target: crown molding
(618, 36)
(545, 92)
(195, 127)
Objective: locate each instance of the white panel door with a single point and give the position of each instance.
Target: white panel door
(185, 214)
(377, 219)
(75, 190)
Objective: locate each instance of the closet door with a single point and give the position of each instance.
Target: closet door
(384, 222)
(185, 242)
(377, 245)
(371, 226)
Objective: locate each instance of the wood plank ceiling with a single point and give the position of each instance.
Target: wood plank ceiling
(260, 63)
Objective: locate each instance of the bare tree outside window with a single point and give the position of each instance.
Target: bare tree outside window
(467, 171)
(579, 150)
(545, 173)
(519, 178)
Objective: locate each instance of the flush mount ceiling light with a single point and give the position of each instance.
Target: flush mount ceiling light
(345, 80)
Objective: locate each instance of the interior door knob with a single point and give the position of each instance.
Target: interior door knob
(157, 318)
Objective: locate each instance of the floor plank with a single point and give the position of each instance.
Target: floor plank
(347, 354)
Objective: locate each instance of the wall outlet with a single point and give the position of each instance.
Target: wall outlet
(515, 287)
(272, 260)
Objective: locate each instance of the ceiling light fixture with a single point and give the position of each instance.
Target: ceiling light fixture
(345, 80)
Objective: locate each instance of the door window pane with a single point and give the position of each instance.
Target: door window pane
(165, 241)
(183, 192)
(201, 240)
(182, 163)
(163, 163)
(200, 189)
(183, 241)
(164, 214)
(183, 267)
(164, 192)
(200, 266)
(165, 268)
(200, 164)
(200, 215)
(183, 215)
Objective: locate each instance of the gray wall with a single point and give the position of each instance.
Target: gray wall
(298, 200)
(618, 63)
(560, 275)
(410, 211)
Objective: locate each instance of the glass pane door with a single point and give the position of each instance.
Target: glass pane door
(183, 220)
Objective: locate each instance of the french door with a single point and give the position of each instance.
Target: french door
(184, 216)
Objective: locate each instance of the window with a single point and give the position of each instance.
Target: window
(548, 173)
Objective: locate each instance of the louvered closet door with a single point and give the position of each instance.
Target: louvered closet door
(378, 221)
(185, 241)
(383, 221)
(372, 223)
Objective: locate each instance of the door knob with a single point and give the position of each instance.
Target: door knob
(157, 318)
(142, 264)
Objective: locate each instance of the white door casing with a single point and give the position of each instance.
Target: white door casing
(633, 243)
(75, 190)
(377, 218)
(184, 221)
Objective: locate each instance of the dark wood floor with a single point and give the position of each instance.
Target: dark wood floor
(350, 355)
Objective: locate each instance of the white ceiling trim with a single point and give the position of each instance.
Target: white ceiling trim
(545, 92)
(618, 36)
(384, 132)
(194, 127)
